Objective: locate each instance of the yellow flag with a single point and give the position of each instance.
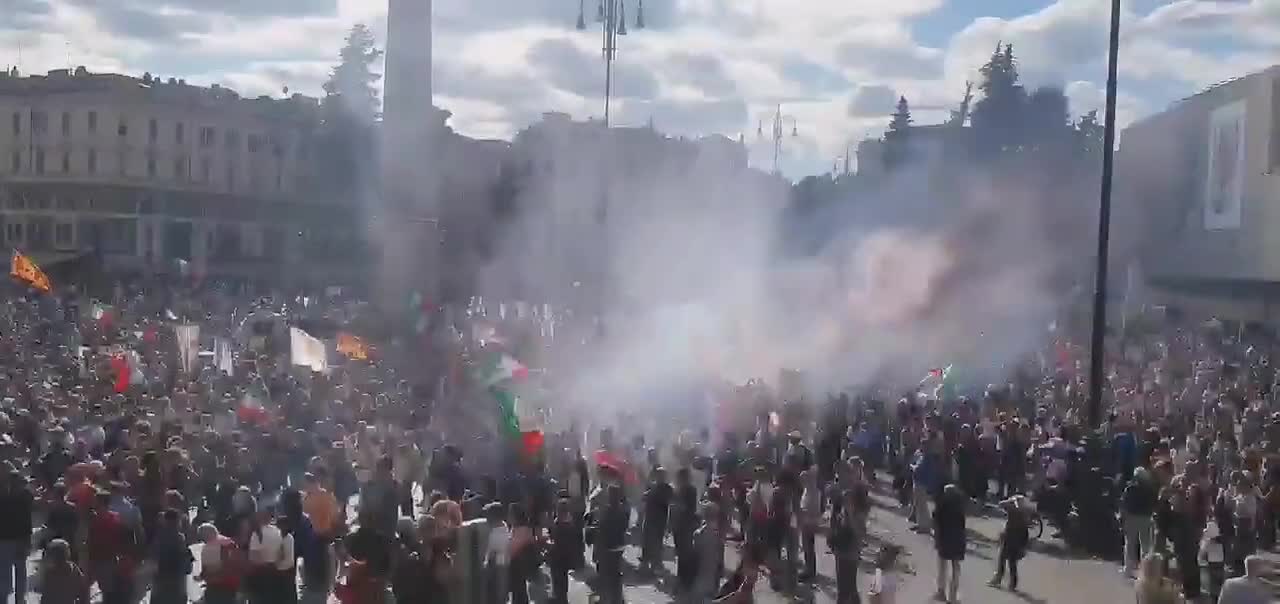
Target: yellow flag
(353, 347)
(25, 270)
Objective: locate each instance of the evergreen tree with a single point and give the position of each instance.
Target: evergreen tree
(999, 116)
(1046, 122)
(896, 139)
(346, 141)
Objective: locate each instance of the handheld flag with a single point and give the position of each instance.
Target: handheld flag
(25, 270)
(500, 368)
(508, 404)
(307, 350)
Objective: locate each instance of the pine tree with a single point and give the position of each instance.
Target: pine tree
(896, 139)
(346, 141)
(352, 79)
(999, 117)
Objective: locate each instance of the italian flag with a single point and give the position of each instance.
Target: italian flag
(496, 376)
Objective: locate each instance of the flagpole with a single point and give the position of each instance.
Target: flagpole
(1098, 340)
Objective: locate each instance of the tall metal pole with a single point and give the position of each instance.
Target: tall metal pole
(610, 46)
(1097, 354)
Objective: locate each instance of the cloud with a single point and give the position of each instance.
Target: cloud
(572, 69)
(872, 100)
(702, 71)
(888, 50)
(236, 8)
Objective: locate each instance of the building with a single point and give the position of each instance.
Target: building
(144, 170)
(584, 188)
(1199, 199)
(926, 145)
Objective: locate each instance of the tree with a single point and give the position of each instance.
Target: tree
(346, 141)
(1089, 134)
(896, 139)
(998, 117)
(1045, 119)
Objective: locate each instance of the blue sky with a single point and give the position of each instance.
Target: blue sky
(703, 66)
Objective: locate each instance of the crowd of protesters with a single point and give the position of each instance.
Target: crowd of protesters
(362, 483)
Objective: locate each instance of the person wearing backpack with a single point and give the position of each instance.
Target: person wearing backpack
(222, 565)
(1139, 504)
(174, 562)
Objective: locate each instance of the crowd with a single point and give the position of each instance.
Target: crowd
(375, 485)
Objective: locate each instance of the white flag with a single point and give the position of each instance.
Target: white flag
(307, 351)
(222, 357)
(188, 337)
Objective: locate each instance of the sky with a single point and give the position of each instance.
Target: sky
(700, 67)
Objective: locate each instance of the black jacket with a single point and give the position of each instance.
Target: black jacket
(15, 515)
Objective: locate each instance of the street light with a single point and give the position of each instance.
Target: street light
(1097, 350)
(612, 17)
(777, 132)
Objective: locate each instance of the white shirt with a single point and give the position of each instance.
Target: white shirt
(499, 547)
(270, 546)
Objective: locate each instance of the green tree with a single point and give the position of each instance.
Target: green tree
(998, 116)
(1046, 121)
(346, 140)
(897, 137)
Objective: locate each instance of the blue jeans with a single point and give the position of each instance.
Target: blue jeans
(13, 570)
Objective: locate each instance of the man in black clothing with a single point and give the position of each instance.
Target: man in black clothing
(657, 503)
(684, 521)
(16, 504)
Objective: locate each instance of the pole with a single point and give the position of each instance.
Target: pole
(610, 45)
(1098, 344)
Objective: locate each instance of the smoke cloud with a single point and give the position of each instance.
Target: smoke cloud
(938, 266)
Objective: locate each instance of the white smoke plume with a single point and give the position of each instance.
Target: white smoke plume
(928, 271)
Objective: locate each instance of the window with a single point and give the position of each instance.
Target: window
(63, 235)
(180, 169)
(231, 177)
(66, 123)
(233, 139)
(255, 143)
(93, 161)
(153, 130)
(39, 122)
(179, 133)
(17, 123)
(39, 161)
(206, 166)
(93, 122)
(151, 165)
(16, 164)
(66, 162)
(13, 233)
(207, 136)
(123, 128)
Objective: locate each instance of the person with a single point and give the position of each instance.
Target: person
(221, 565)
(497, 554)
(684, 522)
(1152, 586)
(61, 581)
(1213, 557)
(270, 554)
(848, 522)
(657, 506)
(173, 561)
(709, 542)
(884, 583)
(523, 556)
(950, 540)
(808, 519)
(16, 505)
(610, 540)
(1013, 540)
(1248, 589)
(1139, 501)
(566, 547)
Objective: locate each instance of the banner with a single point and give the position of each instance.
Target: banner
(1224, 187)
(223, 359)
(307, 351)
(25, 270)
(188, 337)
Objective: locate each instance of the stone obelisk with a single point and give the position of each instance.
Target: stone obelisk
(406, 226)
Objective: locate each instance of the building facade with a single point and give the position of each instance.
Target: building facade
(1198, 190)
(145, 171)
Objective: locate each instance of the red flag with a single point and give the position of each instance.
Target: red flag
(608, 458)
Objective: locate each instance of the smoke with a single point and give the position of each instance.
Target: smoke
(938, 266)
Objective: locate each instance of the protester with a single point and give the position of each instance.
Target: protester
(950, 540)
(1247, 589)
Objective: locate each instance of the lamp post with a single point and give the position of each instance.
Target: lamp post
(612, 17)
(778, 133)
(1097, 351)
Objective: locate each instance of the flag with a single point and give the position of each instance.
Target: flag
(307, 351)
(25, 270)
(223, 359)
(533, 441)
(128, 369)
(502, 367)
(353, 346)
(252, 408)
(188, 337)
(615, 461)
(508, 404)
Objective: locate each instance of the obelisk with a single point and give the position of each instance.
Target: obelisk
(407, 217)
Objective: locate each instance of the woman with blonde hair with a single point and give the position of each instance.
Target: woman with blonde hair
(1152, 587)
